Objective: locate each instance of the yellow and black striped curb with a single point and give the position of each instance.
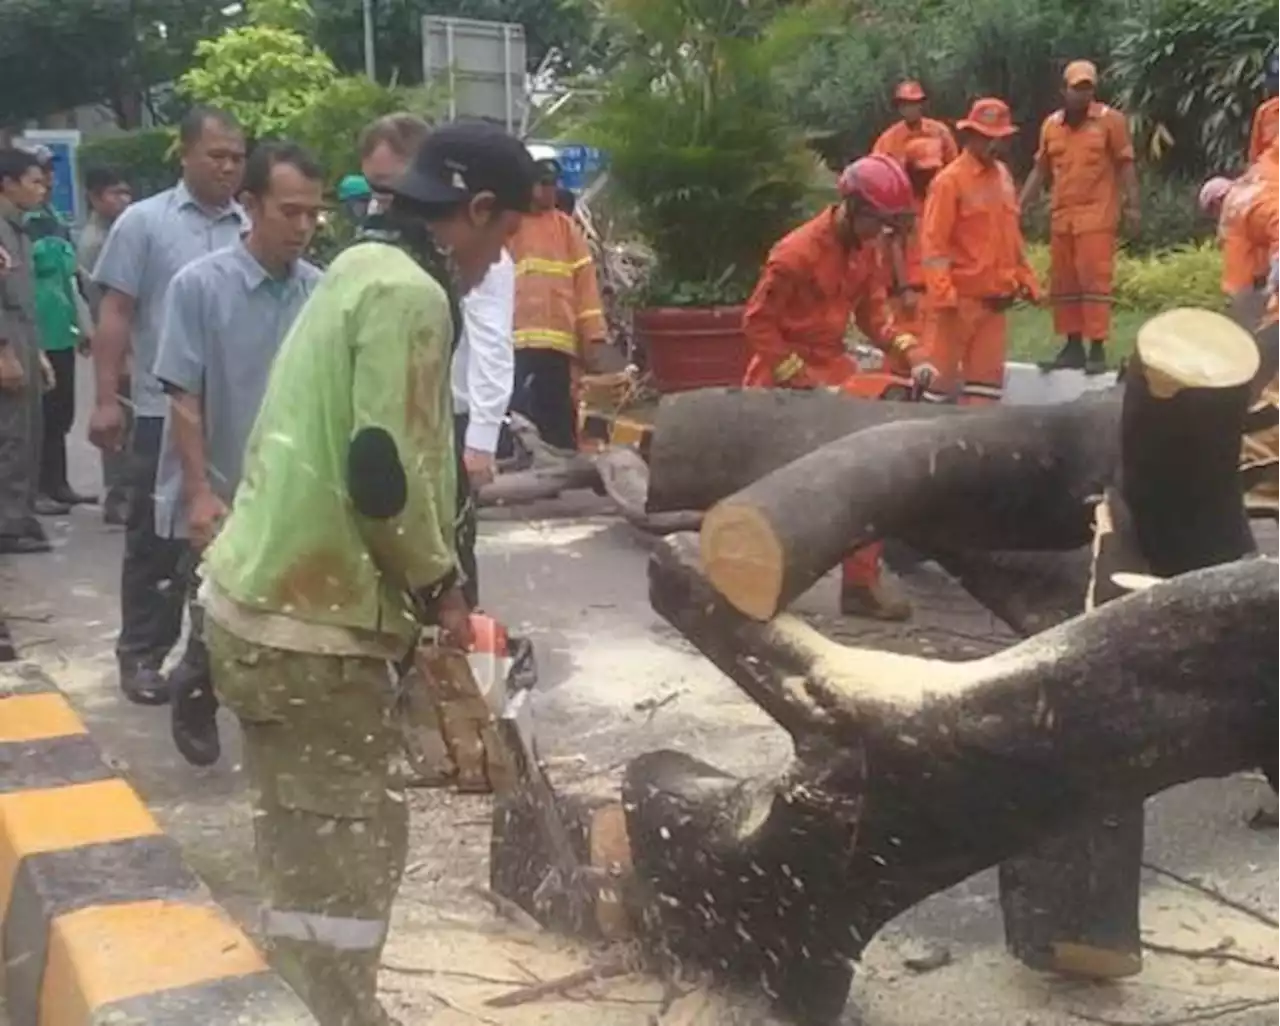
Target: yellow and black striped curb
(102, 920)
(615, 430)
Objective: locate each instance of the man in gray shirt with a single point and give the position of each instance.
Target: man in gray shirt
(226, 315)
(146, 247)
(108, 195)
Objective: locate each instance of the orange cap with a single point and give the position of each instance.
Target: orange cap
(1080, 73)
(989, 117)
(909, 91)
(924, 154)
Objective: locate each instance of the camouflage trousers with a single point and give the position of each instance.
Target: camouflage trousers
(330, 829)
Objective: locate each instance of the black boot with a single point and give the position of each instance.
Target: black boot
(1070, 356)
(194, 707)
(115, 508)
(143, 683)
(1096, 361)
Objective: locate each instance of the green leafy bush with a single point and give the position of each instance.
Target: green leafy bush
(145, 158)
(1188, 275)
(1170, 216)
(1015, 49)
(698, 141)
(1191, 74)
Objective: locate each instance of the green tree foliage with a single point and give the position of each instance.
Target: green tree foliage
(562, 24)
(841, 87)
(1191, 74)
(59, 55)
(265, 72)
(145, 158)
(329, 126)
(697, 141)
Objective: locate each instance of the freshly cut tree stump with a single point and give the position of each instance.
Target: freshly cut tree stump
(1012, 478)
(912, 774)
(1072, 904)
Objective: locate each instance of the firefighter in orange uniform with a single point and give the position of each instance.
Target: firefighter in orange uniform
(923, 160)
(1087, 155)
(827, 270)
(1242, 209)
(559, 319)
(909, 98)
(974, 262)
(1265, 129)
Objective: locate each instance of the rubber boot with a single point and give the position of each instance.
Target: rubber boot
(194, 708)
(1070, 357)
(1096, 361)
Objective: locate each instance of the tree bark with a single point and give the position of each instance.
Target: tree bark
(1011, 478)
(1072, 904)
(911, 774)
(710, 443)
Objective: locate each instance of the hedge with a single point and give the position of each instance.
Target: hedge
(144, 157)
(1188, 275)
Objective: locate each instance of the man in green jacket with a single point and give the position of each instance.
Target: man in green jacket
(339, 547)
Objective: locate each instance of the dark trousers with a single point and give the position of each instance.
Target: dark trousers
(465, 525)
(59, 413)
(544, 393)
(115, 465)
(153, 585)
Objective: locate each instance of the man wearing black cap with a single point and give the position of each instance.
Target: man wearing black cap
(339, 547)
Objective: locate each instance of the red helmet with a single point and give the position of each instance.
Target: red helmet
(878, 182)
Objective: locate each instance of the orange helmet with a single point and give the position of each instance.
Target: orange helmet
(924, 153)
(879, 183)
(909, 91)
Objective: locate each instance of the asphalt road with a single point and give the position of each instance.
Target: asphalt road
(572, 577)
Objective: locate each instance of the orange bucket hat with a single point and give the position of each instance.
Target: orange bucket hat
(990, 117)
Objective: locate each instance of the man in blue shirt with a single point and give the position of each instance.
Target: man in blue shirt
(147, 246)
(225, 317)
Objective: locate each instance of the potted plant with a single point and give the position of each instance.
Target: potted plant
(698, 144)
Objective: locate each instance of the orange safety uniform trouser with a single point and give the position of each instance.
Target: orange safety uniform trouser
(1081, 267)
(861, 568)
(966, 344)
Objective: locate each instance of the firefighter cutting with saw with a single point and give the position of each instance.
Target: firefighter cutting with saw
(828, 270)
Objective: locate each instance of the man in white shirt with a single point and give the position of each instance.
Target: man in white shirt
(484, 360)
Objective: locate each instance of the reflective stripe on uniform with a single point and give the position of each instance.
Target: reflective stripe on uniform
(936, 262)
(788, 368)
(558, 268)
(338, 932)
(983, 391)
(546, 338)
(594, 312)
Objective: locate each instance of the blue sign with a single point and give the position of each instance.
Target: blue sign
(579, 166)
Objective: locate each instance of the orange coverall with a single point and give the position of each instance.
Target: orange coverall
(796, 319)
(974, 266)
(1246, 251)
(1084, 166)
(1265, 128)
(893, 140)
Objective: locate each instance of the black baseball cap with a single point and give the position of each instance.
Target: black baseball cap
(464, 158)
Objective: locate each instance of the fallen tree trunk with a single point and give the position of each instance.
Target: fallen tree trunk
(1071, 905)
(1015, 478)
(710, 443)
(912, 774)
(544, 481)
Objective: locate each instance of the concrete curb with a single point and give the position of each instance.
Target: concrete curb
(102, 920)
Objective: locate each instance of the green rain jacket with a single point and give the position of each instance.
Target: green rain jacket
(371, 349)
(54, 268)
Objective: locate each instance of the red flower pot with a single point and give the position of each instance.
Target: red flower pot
(693, 347)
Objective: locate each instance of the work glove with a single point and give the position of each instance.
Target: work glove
(923, 375)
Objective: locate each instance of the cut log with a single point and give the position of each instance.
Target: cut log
(912, 774)
(542, 481)
(1071, 905)
(1011, 478)
(710, 443)
(624, 476)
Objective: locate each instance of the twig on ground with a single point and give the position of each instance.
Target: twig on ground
(506, 908)
(652, 705)
(1204, 1013)
(1220, 953)
(1216, 895)
(415, 970)
(454, 1006)
(29, 617)
(592, 974)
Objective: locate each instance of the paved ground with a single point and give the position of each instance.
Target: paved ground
(572, 577)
